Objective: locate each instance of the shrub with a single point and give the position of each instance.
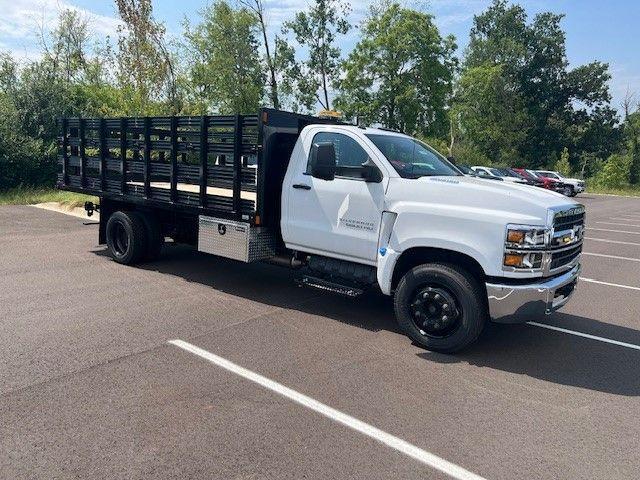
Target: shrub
(23, 160)
(615, 172)
(562, 165)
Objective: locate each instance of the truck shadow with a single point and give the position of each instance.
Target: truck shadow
(558, 357)
(522, 349)
(272, 285)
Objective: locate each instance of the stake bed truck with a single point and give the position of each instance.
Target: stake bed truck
(352, 208)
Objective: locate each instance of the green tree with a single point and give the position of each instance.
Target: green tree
(146, 70)
(34, 95)
(225, 70)
(21, 159)
(631, 130)
(562, 165)
(615, 172)
(489, 114)
(567, 107)
(317, 31)
(400, 73)
(279, 56)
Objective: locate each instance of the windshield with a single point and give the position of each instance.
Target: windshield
(506, 172)
(411, 158)
(465, 169)
(548, 175)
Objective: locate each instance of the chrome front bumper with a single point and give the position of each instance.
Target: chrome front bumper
(522, 303)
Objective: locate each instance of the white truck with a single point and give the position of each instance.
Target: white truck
(351, 208)
(576, 185)
(502, 173)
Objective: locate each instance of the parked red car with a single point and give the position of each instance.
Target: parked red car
(544, 182)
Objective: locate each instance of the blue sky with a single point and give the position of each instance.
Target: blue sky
(596, 30)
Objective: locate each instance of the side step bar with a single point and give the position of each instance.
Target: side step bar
(321, 284)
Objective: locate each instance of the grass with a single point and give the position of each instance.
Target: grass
(30, 196)
(625, 191)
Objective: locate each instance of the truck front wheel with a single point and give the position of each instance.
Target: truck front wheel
(441, 307)
(126, 237)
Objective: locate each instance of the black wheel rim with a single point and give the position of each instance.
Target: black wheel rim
(435, 311)
(120, 239)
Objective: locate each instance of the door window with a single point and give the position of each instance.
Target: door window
(349, 154)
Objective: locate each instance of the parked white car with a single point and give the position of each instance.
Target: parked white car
(497, 172)
(577, 184)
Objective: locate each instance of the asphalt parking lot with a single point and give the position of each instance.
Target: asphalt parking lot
(91, 388)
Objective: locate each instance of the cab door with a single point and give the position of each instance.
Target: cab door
(340, 217)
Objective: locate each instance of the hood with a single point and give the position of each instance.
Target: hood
(516, 202)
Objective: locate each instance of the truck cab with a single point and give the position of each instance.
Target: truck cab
(451, 249)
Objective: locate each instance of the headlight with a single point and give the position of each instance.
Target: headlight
(524, 245)
(529, 260)
(527, 236)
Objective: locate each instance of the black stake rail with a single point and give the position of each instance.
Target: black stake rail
(171, 162)
(155, 159)
(204, 158)
(123, 156)
(174, 159)
(103, 154)
(83, 156)
(146, 173)
(237, 164)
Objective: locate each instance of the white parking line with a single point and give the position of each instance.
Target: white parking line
(624, 217)
(615, 223)
(585, 335)
(591, 280)
(590, 229)
(392, 441)
(611, 256)
(611, 241)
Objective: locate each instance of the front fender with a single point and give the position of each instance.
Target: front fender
(480, 239)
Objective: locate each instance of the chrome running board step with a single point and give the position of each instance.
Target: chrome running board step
(321, 284)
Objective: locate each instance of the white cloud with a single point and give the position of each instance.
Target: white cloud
(23, 21)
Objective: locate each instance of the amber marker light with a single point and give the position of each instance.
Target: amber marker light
(515, 236)
(513, 260)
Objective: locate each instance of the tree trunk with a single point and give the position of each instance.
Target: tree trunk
(326, 94)
(270, 65)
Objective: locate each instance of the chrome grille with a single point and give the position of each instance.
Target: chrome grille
(566, 243)
(564, 257)
(567, 219)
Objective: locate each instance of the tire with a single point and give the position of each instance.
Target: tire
(568, 191)
(126, 237)
(155, 239)
(452, 284)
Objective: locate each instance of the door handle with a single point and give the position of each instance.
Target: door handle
(302, 186)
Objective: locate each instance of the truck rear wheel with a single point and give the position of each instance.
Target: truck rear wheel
(441, 307)
(126, 237)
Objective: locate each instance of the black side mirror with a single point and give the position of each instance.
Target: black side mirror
(323, 161)
(370, 172)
